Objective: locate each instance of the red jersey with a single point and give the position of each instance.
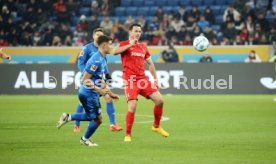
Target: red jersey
(133, 60)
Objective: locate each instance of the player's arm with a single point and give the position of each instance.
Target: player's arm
(119, 49)
(3, 55)
(110, 93)
(86, 80)
(81, 59)
(152, 71)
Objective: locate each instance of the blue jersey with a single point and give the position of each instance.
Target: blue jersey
(87, 51)
(95, 66)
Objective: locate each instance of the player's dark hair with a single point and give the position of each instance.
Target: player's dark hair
(103, 39)
(98, 30)
(134, 25)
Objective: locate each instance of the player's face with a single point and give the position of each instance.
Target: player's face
(97, 35)
(108, 47)
(135, 33)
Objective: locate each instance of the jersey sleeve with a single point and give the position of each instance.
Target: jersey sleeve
(147, 55)
(82, 59)
(106, 71)
(92, 66)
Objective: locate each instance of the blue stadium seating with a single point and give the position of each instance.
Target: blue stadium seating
(122, 19)
(131, 11)
(216, 27)
(84, 11)
(153, 10)
(148, 18)
(202, 9)
(222, 9)
(86, 2)
(220, 2)
(120, 11)
(270, 17)
(215, 10)
(188, 8)
(184, 2)
(126, 3)
(173, 2)
(74, 20)
(138, 3)
(229, 2)
(208, 2)
(219, 19)
(196, 2)
(161, 2)
(143, 11)
(149, 3)
(167, 9)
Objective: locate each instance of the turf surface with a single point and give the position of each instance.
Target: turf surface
(203, 129)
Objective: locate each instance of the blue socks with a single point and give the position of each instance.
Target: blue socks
(80, 116)
(110, 112)
(79, 109)
(91, 129)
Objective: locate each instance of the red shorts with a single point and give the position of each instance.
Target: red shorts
(135, 87)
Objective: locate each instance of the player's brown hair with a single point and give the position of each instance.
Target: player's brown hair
(103, 39)
(97, 30)
(133, 25)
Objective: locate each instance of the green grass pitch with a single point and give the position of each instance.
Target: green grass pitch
(203, 129)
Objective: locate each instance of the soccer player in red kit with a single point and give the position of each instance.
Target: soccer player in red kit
(137, 83)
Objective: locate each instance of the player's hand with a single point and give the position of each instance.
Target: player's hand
(104, 91)
(114, 96)
(133, 42)
(9, 58)
(156, 84)
(5, 56)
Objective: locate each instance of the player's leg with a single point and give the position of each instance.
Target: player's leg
(156, 97)
(151, 92)
(88, 104)
(79, 109)
(65, 117)
(110, 110)
(130, 118)
(131, 93)
(92, 127)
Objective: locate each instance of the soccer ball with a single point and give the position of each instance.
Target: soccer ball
(201, 43)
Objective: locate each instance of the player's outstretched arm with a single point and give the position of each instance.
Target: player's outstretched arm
(3, 55)
(152, 71)
(120, 49)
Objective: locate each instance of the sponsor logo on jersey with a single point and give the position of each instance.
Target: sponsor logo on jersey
(81, 53)
(137, 54)
(93, 68)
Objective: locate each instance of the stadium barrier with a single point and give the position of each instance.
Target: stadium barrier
(186, 54)
(217, 78)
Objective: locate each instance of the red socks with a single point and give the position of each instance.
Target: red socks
(158, 111)
(129, 122)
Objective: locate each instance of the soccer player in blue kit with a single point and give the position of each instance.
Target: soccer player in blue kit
(91, 87)
(86, 53)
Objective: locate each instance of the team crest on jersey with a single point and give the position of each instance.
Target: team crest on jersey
(93, 68)
(81, 53)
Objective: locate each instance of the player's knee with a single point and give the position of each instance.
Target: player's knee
(159, 102)
(98, 121)
(132, 108)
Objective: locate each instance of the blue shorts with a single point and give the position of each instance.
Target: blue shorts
(91, 105)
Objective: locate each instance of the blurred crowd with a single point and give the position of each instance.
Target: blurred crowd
(49, 23)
